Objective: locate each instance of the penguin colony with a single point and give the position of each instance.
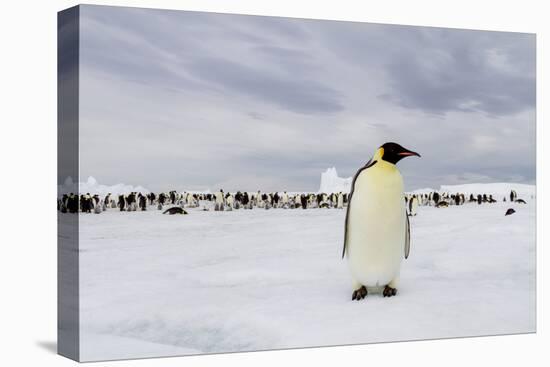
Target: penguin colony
(136, 201)
(219, 201)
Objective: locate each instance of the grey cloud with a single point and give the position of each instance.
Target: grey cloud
(155, 52)
(452, 71)
(291, 92)
(438, 70)
(256, 115)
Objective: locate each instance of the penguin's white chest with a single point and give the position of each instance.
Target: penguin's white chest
(376, 225)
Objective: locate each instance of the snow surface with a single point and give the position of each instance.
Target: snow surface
(209, 282)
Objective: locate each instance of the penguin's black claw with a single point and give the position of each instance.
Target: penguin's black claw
(389, 291)
(359, 294)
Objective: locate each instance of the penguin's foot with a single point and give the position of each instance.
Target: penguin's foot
(389, 291)
(359, 294)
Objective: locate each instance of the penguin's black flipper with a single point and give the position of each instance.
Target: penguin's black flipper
(370, 163)
(407, 237)
(346, 225)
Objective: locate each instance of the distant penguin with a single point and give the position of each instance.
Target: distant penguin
(413, 205)
(377, 234)
(175, 210)
(521, 201)
(324, 200)
(142, 202)
(275, 200)
(340, 201)
(284, 200)
(229, 201)
(162, 198)
(219, 201)
(510, 212)
(190, 201)
(172, 197)
(435, 198)
(297, 201)
(107, 199)
(457, 199)
(72, 203)
(303, 201)
(259, 201)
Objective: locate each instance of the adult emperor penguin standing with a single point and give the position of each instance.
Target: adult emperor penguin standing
(377, 234)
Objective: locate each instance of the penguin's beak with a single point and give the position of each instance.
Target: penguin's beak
(408, 153)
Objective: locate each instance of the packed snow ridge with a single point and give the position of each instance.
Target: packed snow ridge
(93, 187)
(331, 182)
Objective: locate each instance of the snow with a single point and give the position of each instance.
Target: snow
(330, 182)
(210, 282)
(93, 187)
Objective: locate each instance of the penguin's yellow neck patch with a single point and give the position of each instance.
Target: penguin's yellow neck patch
(379, 154)
(382, 164)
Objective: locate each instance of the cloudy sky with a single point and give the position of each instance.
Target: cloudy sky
(189, 100)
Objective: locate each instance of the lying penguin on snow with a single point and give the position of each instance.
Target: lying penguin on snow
(174, 210)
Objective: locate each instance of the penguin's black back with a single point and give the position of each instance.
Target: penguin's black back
(175, 210)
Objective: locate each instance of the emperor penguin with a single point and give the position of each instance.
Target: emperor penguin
(229, 201)
(413, 205)
(190, 201)
(340, 200)
(284, 199)
(259, 201)
(377, 234)
(219, 200)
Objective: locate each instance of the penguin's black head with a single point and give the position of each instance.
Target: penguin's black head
(393, 152)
